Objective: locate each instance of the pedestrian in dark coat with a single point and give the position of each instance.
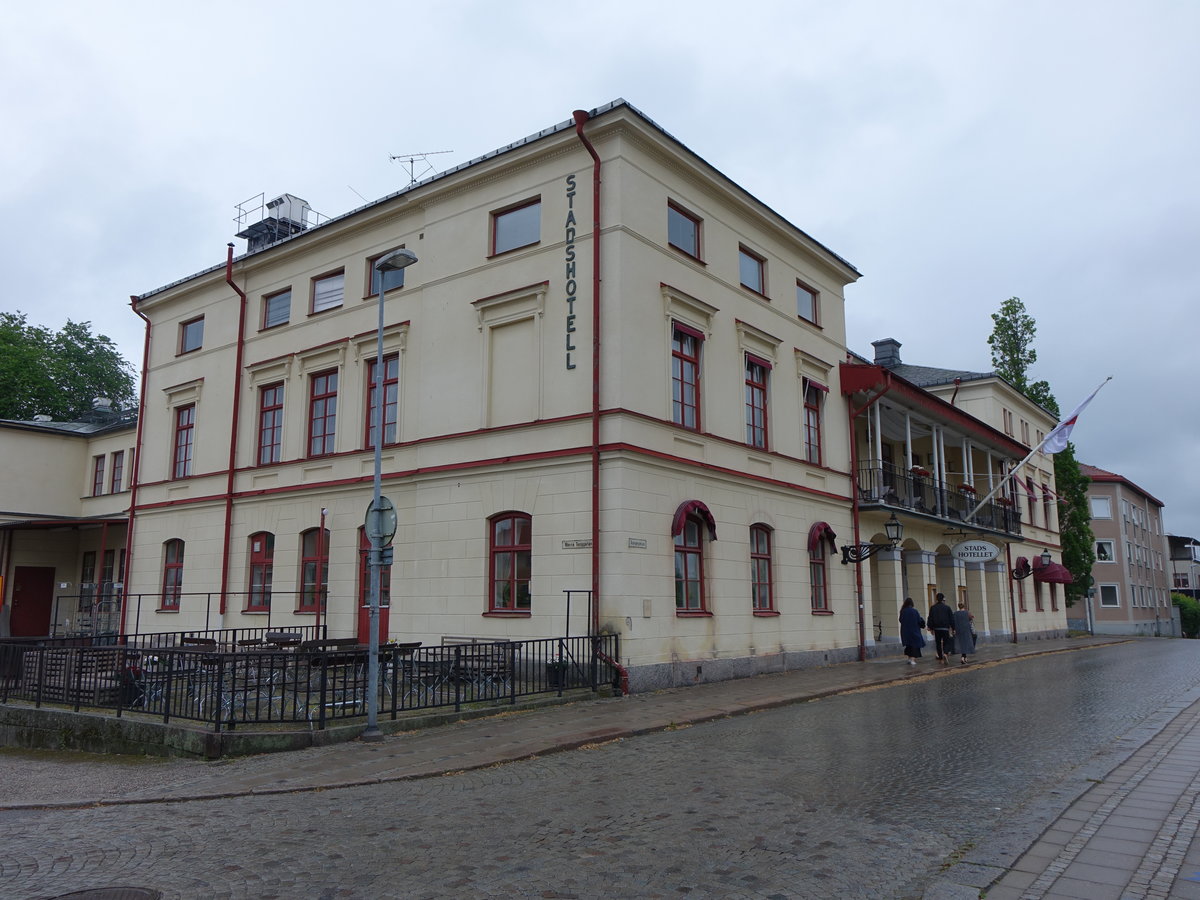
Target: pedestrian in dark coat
(941, 622)
(964, 634)
(911, 624)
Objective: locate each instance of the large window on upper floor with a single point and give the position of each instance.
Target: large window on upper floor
(391, 387)
(1101, 507)
(683, 230)
(328, 291)
(118, 472)
(685, 376)
(277, 308)
(752, 270)
(270, 424)
(510, 539)
(814, 399)
(808, 305)
(757, 373)
(185, 425)
(1105, 551)
(516, 226)
(97, 475)
(322, 413)
(191, 335)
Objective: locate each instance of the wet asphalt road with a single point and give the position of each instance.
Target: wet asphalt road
(868, 794)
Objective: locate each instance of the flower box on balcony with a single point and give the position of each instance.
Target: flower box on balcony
(967, 489)
(919, 472)
(1004, 501)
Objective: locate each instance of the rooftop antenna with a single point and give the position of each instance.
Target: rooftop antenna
(410, 160)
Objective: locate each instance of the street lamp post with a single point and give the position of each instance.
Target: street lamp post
(381, 515)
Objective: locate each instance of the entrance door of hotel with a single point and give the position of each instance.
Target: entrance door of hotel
(32, 601)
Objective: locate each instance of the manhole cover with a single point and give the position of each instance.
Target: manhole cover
(112, 893)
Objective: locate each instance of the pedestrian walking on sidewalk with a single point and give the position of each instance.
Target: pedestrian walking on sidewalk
(911, 625)
(964, 633)
(941, 621)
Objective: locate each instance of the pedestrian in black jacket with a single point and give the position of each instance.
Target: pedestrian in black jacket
(940, 620)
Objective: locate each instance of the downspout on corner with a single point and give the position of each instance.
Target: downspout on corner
(233, 432)
(137, 459)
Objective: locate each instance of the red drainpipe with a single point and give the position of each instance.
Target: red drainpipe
(137, 459)
(580, 118)
(233, 429)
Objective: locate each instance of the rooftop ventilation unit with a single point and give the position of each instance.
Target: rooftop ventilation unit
(271, 221)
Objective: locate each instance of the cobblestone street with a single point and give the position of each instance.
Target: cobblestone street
(865, 794)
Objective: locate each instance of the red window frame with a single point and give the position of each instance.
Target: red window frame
(270, 424)
(322, 413)
(191, 335)
(812, 422)
(754, 267)
(806, 296)
(262, 571)
(392, 278)
(1047, 504)
(762, 590)
(97, 475)
(1038, 604)
(273, 303)
(364, 574)
(689, 567)
(683, 230)
(118, 472)
(185, 425)
(685, 376)
(333, 284)
(516, 217)
(391, 394)
(818, 575)
(314, 569)
(172, 583)
(757, 374)
(510, 546)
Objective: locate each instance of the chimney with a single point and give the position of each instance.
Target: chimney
(887, 352)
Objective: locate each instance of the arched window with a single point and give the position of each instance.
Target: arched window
(510, 542)
(172, 584)
(689, 566)
(762, 595)
(314, 568)
(364, 574)
(821, 539)
(262, 556)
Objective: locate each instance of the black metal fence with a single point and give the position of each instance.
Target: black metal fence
(230, 678)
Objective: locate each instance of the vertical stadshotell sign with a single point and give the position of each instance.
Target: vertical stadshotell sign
(569, 252)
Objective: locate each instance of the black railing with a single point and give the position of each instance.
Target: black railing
(226, 679)
(890, 485)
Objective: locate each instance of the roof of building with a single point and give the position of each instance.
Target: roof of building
(569, 124)
(1095, 473)
(95, 424)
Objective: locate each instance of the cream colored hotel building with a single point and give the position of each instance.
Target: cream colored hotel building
(612, 370)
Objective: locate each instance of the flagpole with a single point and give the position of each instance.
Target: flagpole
(1068, 423)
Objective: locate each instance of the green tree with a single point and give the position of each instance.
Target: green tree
(58, 374)
(1189, 614)
(1011, 340)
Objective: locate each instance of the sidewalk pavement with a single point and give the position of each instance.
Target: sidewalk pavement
(1131, 834)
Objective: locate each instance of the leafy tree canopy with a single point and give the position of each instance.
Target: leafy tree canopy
(59, 374)
(1011, 341)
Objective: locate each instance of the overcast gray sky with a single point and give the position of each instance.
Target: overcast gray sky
(957, 153)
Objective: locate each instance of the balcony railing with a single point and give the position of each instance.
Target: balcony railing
(885, 484)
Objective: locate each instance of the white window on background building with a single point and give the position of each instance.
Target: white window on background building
(1101, 507)
(1109, 596)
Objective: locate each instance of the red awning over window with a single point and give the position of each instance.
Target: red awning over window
(821, 531)
(693, 508)
(1055, 573)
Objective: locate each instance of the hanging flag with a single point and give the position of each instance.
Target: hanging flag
(1056, 440)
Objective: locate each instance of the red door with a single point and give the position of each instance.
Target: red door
(32, 601)
(364, 593)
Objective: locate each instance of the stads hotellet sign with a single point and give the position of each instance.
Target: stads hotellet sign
(975, 551)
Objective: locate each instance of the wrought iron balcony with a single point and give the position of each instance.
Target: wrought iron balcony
(882, 484)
